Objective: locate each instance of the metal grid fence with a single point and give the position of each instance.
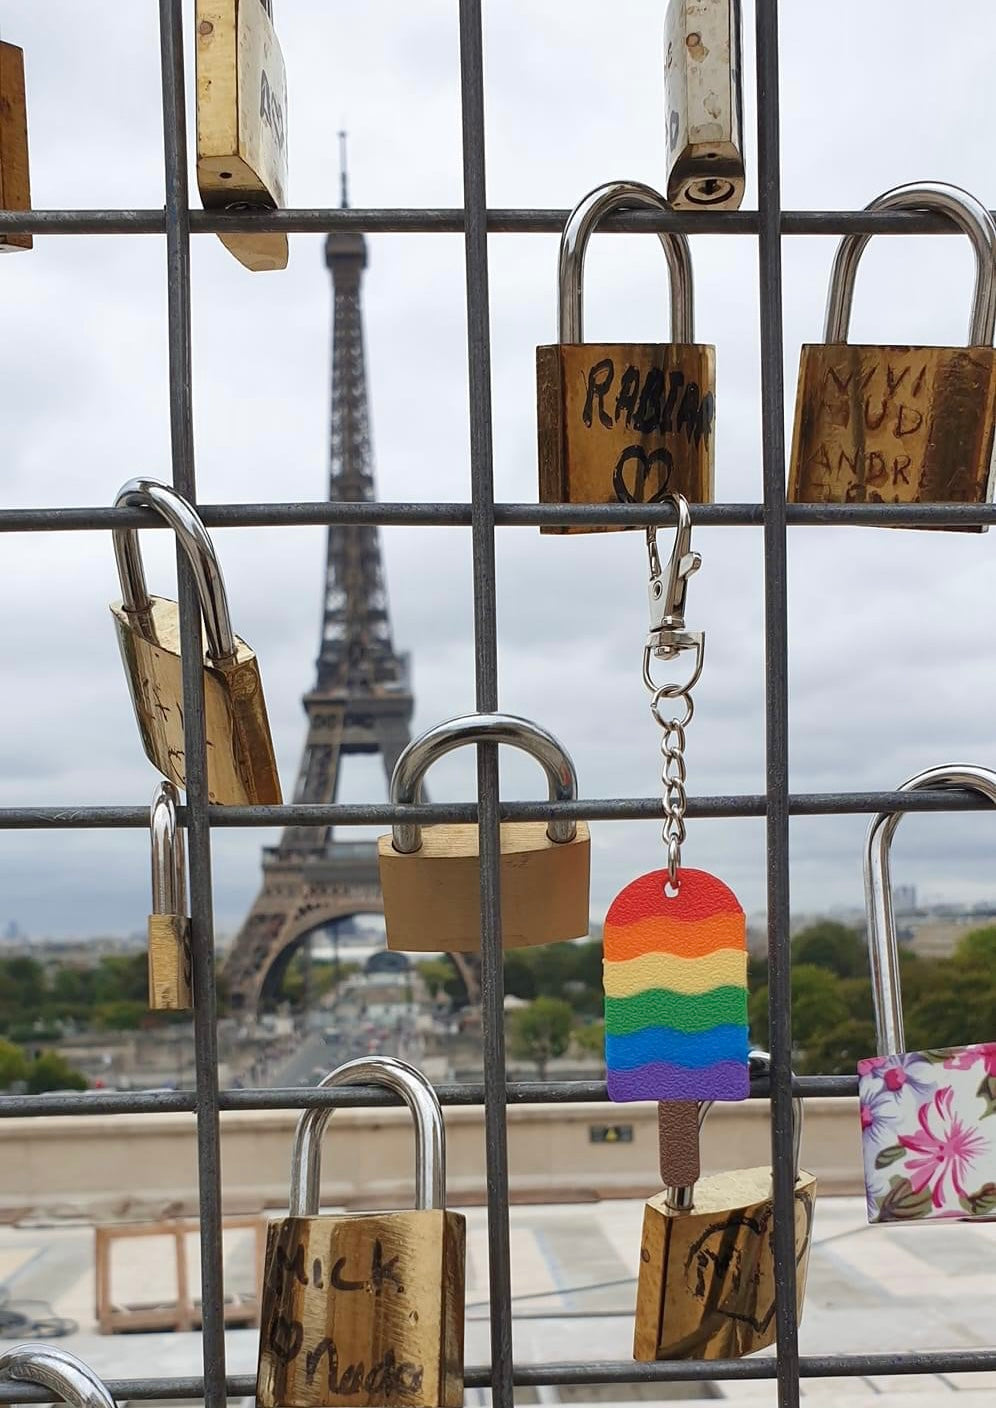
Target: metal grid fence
(768, 223)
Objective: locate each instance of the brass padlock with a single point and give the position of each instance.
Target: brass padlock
(42, 1364)
(241, 766)
(15, 185)
(706, 1287)
(242, 121)
(623, 422)
(703, 103)
(169, 923)
(430, 878)
(365, 1308)
(900, 425)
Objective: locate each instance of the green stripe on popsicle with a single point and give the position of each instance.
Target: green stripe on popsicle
(659, 1007)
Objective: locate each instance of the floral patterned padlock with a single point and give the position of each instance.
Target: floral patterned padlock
(928, 1118)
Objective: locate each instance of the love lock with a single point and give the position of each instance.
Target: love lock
(706, 1286)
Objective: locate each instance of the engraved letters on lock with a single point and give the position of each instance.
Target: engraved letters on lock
(900, 424)
(623, 423)
(365, 1308)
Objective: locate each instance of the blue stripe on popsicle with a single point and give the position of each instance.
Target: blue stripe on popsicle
(691, 1050)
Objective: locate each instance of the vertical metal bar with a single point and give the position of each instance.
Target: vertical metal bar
(486, 652)
(776, 696)
(198, 828)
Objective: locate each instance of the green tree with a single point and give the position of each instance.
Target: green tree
(833, 946)
(540, 1032)
(50, 1071)
(121, 1015)
(120, 977)
(838, 1050)
(978, 947)
(436, 973)
(520, 974)
(589, 1038)
(817, 1003)
(13, 1064)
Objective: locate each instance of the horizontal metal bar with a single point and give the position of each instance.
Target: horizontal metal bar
(518, 221)
(172, 1102)
(528, 515)
(70, 818)
(624, 1371)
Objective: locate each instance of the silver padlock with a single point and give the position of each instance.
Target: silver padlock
(58, 1370)
(703, 103)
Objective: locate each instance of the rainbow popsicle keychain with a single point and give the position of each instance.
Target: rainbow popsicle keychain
(675, 940)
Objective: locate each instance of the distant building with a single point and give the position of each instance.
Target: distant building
(904, 899)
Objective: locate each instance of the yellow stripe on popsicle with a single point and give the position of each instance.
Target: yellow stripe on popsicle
(724, 968)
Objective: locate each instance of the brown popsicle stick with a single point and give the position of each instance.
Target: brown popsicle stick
(678, 1142)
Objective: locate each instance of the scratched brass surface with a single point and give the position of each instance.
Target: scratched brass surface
(241, 767)
(706, 1285)
(364, 1309)
(241, 121)
(432, 898)
(624, 423)
(169, 963)
(893, 425)
(15, 186)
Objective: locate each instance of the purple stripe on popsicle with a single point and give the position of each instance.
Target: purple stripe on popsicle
(660, 1080)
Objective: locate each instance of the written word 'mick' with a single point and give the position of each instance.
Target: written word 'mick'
(383, 1275)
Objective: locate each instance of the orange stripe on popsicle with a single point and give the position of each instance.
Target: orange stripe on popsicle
(696, 940)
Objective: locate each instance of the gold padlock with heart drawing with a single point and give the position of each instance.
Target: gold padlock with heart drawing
(706, 1286)
(365, 1308)
(623, 422)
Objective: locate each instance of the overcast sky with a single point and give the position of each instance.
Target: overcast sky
(892, 666)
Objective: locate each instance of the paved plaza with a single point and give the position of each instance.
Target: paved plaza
(573, 1270)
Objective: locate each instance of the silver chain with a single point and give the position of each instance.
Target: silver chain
(673, 769)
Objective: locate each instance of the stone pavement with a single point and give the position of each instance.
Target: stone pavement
(870, 1289)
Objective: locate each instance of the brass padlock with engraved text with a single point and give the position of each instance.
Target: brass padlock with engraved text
(706, 1286)
(242, 121)
(365, 1308)
(900, 425)
(623, 422)
(242, 769)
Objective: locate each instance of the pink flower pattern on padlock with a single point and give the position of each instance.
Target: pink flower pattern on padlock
(927, 1151)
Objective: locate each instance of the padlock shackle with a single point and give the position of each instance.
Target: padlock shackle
(195, 542)
(883, 945)
(969, 214)
(58, 1370)
(430, 1135)
(681, 1198)
(422, 752)
(169, 878)
(581, 224)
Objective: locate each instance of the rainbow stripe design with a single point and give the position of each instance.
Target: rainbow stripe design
(675, 975)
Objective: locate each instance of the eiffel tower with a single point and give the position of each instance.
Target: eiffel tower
(362, 699)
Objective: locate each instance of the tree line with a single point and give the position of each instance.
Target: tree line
(946, 1001)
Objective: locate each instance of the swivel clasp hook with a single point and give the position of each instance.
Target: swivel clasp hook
(668, 588)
